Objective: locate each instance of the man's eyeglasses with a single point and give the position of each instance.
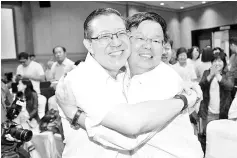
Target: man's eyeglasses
(142, 39)
(22, 61)
(108, 37)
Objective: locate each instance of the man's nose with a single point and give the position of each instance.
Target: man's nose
(116, 42)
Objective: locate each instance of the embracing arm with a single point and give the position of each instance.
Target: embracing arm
(127, 133)
(142, 117)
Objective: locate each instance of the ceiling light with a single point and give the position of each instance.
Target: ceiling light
(203, 2)
(162, 3)
(181, 7)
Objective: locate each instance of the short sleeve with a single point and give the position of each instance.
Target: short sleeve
(40, 70)
(19, 70)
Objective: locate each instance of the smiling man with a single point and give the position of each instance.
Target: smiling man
(96, 87)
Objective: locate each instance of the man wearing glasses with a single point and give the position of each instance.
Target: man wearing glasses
(109, 48)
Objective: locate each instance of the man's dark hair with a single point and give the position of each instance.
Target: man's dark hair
(32, 55)
(23, 55)
(207, 55)
(136, 19)
(180, 51)
(63, 48)
(218, 48)
(93, 15)
(233, 40)
(221, 56)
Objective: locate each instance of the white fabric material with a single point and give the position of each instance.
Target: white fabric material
(177, 139)
(58, 70)
(45, 145)
(233, 108)
(91, 88)
(221, 139)
(33, 69)
(41, 105)
(187, 73)
(214, 103)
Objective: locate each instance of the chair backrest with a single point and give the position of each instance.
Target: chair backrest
(14, 87)
(221, 139)
(45, 84)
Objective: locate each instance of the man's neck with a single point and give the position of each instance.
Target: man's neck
(183, 64)
(113, 74)
(61, 61)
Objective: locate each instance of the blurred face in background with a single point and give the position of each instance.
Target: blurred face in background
(219, 64)
(167, 53)
(59, 54)
(146, 46)
(182, 58)
(195, 53)
(24, 62)
(109, 43)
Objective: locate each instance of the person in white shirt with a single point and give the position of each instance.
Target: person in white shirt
(147, 78)
(33, 71)
(194, 57)
(167, 53)
(185, 69)
(105, 103)
(60, 67)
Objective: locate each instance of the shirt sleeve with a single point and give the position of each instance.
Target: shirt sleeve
(19, 70)
(40, 70)
(193, 72)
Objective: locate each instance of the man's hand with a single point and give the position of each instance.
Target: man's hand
(189, 86)
(194, 95)
(54, 85)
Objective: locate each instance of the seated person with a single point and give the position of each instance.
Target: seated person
(58, 69)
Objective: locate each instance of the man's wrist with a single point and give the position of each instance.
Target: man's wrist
(184, 99)
(74, 122)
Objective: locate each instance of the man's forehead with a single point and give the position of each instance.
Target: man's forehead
(148, 27)
(107, 23)
(58, 49)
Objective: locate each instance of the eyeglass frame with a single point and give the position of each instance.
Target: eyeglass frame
(111, 37)
(150, 39)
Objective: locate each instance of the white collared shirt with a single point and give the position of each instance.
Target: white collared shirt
(91, 88)
(177, 139)
(58, 70)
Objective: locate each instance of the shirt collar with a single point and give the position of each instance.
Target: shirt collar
(63, 63)
(145, 76)
(94, 66)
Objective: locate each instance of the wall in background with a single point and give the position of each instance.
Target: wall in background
(40, 29)
(207, 17)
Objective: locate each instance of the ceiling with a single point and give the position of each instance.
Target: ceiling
(176, 5)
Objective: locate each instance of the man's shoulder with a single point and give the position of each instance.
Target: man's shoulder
(20, 66)
(35, 64)
(167, 69)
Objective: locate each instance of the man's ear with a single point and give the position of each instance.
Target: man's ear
(88, 45)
